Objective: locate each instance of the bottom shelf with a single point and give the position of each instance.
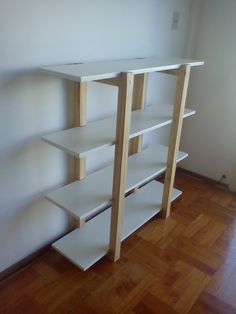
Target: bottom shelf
(85, 246)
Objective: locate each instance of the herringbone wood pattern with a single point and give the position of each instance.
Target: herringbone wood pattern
(185, 264)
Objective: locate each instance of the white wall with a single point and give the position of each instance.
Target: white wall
(38, 33)
(210, 137)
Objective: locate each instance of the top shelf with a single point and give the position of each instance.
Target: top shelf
(92, 71)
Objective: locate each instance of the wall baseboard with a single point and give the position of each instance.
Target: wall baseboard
(10, 271)
(202, 177)
(5, 274)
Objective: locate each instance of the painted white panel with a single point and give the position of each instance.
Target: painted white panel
(85, 198)
(92, 71)
(85, 246)
(100, 134)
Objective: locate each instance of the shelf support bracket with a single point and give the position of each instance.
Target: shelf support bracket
(120, 164)
(111, 81)
(170, 72)
(179, 106)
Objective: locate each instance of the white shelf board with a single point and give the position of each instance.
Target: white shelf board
(83, 199)
(85, 72)
(87, 245)
(100, 134)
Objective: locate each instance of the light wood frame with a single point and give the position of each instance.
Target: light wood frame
(183, 74)
(79, 97)
(79, 105)
(120, 163)
(131, 87)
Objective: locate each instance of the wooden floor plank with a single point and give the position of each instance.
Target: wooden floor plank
(180, 294)
(209, 304)
(227, 290)
(208, 234)
(224, 198)
(157, 229)
(150, 304)
(185, 264)
(213, 210)
(204, 259)
(121, 290)
(196, 226)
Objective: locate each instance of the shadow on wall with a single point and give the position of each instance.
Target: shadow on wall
(31, 105)
(29, 222)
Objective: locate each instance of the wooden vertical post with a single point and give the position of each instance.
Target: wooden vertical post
(180, 100)
(139, 101)
(80, 119)
(120, 163)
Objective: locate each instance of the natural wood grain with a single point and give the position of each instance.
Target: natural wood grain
(119, 291)
(206, 260)
(208, 234)
(221, 276)
(157, 229)
(150, 304)
(209, 304)
(213, 210)
(228, 288)
(80, 168)
(120, 162)
(180, 294)
(139, 101)
(176, 127)
(195, 227)
(79, 99)
(168, 266)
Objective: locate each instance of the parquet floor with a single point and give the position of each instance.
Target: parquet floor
(185, 264)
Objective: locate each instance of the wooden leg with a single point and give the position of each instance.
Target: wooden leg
(80, 168)
(80, 223)
(180, 99)
(80, 119)
(120, 163)
(139, 101)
